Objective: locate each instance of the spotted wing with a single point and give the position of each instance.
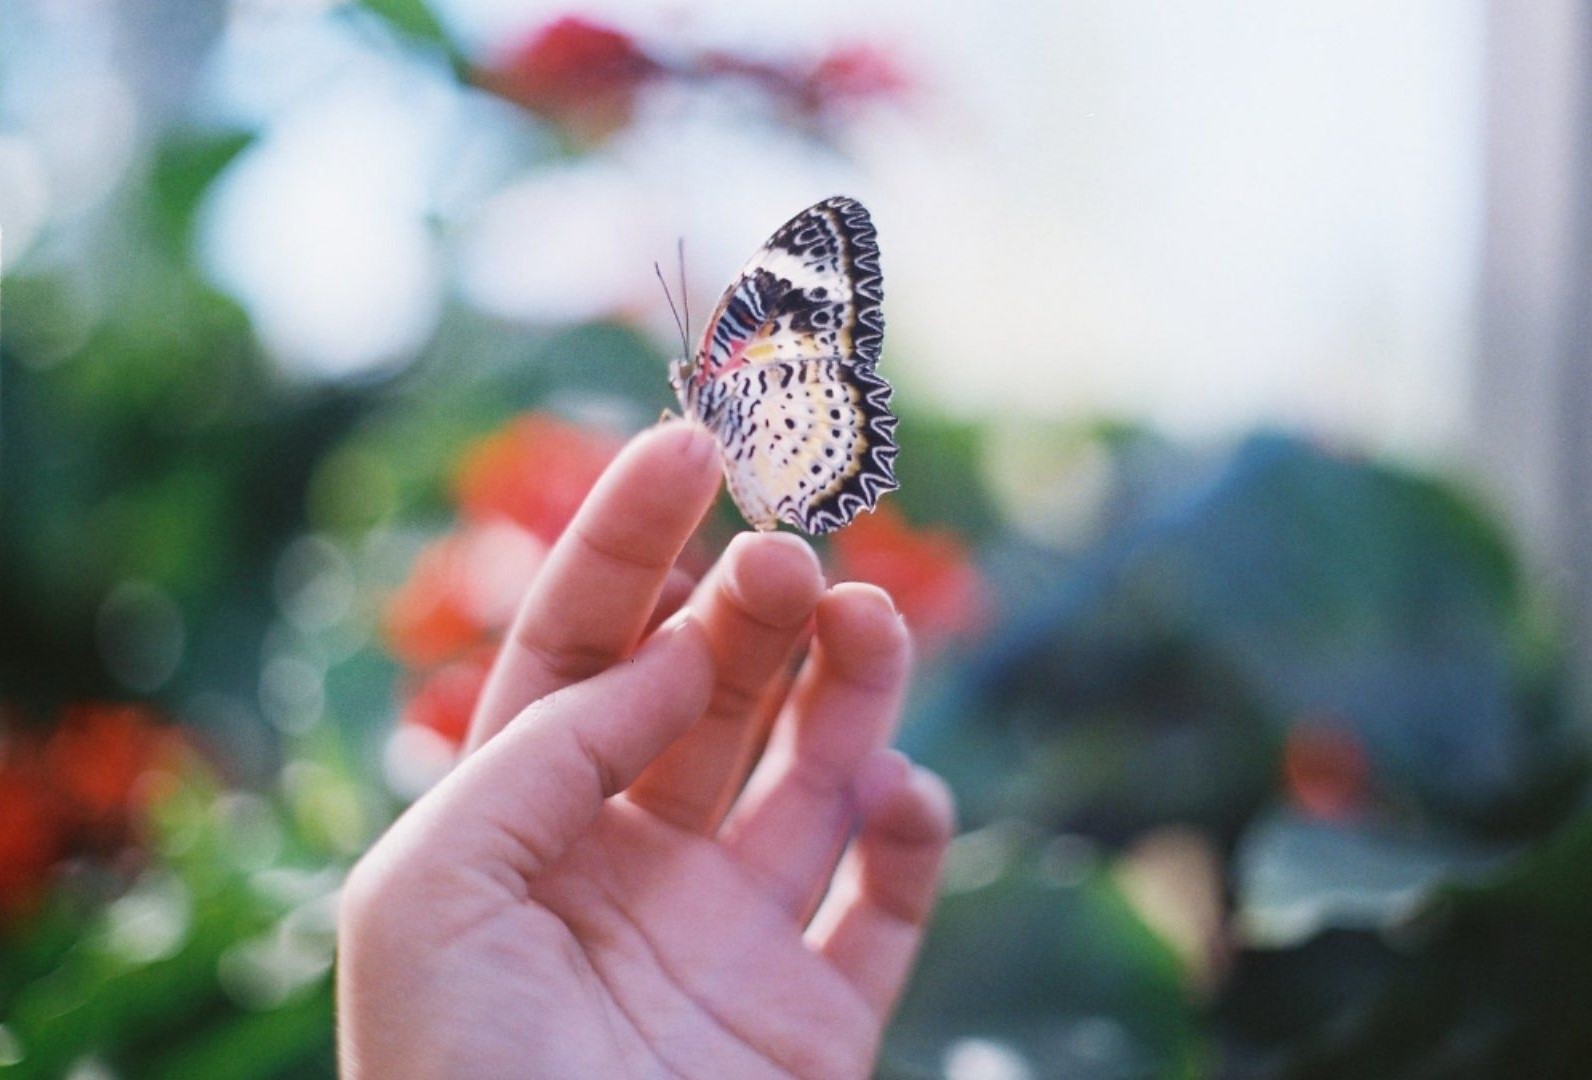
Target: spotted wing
(814, 290)
(810, 442)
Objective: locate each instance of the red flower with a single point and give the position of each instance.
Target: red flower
(445, 699)
(927, 572)
(855, 73)
(463, 589)
(580, 75)
(426, 621)
(83, 789)
(1325, 769)
(587, 78)
(517, 490)
(99, 757)
(34, 836)
(536, 472)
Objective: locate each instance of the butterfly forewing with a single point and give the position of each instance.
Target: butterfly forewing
(784, 375)
(813, 289)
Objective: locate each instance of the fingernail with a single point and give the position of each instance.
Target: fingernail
(791, 540)
(672, 625)
(692, 439)
(864, 588)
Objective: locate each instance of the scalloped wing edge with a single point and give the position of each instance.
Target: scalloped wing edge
(867, 279)
(876, 475)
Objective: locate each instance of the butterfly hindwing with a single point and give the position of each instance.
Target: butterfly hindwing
(808, 442)
(785, 375)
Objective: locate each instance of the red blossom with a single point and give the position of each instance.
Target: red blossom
(444, 700)
(34, 837)
(83, 789)
(855, 73)
(927, 572)
(1325, 770)
(587, 78)
(814, 92)
(100, 755)
(517, 490)
(580, 75)
(536, 472)
(425, 621)
(462, 590)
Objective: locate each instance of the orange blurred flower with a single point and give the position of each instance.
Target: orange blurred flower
(928, 572)
(517, 490)
(82, 789)
(587, 78)
(1325, 769)
(580, 75)
(34, 836)
(854, 73)
(425, 621)
(100, 755)
(444, 699)
(463, 590)
(535, 472)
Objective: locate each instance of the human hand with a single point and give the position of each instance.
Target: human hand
(598, 889)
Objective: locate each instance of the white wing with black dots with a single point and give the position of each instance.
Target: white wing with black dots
(784, 375)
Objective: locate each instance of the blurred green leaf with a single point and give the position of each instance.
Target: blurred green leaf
(1056, 967)
(184, 169)
(1281, 584)
(1491, 980)
(414, 20)
(1296, 877)
(938, 468)
(150, 1014)
(293, 1039)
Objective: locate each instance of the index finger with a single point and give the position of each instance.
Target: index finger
(590, 603)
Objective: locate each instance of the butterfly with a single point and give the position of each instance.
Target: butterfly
(784, 375)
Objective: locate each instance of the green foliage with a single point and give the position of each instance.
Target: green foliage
(184, 169)
(1056, 966)
(1165, 621)
(1489, 979)
(413, 19)
(218, 959)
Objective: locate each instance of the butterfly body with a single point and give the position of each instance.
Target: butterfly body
(784, 375)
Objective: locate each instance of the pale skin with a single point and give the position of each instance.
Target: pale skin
(631, 874)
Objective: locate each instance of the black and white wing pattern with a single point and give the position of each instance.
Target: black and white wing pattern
(785, 374)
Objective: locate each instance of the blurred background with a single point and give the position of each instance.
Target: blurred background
(1241, 352)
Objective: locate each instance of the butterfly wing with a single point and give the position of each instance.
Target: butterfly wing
(785, 374)
(813, 290)
(809, 442)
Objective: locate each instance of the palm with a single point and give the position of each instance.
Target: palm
(666, 953)
(606, 886)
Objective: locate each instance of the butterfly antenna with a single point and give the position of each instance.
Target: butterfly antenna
(685, 298)
(656, 269)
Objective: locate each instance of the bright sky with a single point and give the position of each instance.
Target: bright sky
(1209, 217)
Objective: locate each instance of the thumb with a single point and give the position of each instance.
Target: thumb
(540, 782)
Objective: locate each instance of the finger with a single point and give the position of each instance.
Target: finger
(677, 589)
(754, 608)
(872, 923)
(789, 827)
(592, 598)
(519, 801)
